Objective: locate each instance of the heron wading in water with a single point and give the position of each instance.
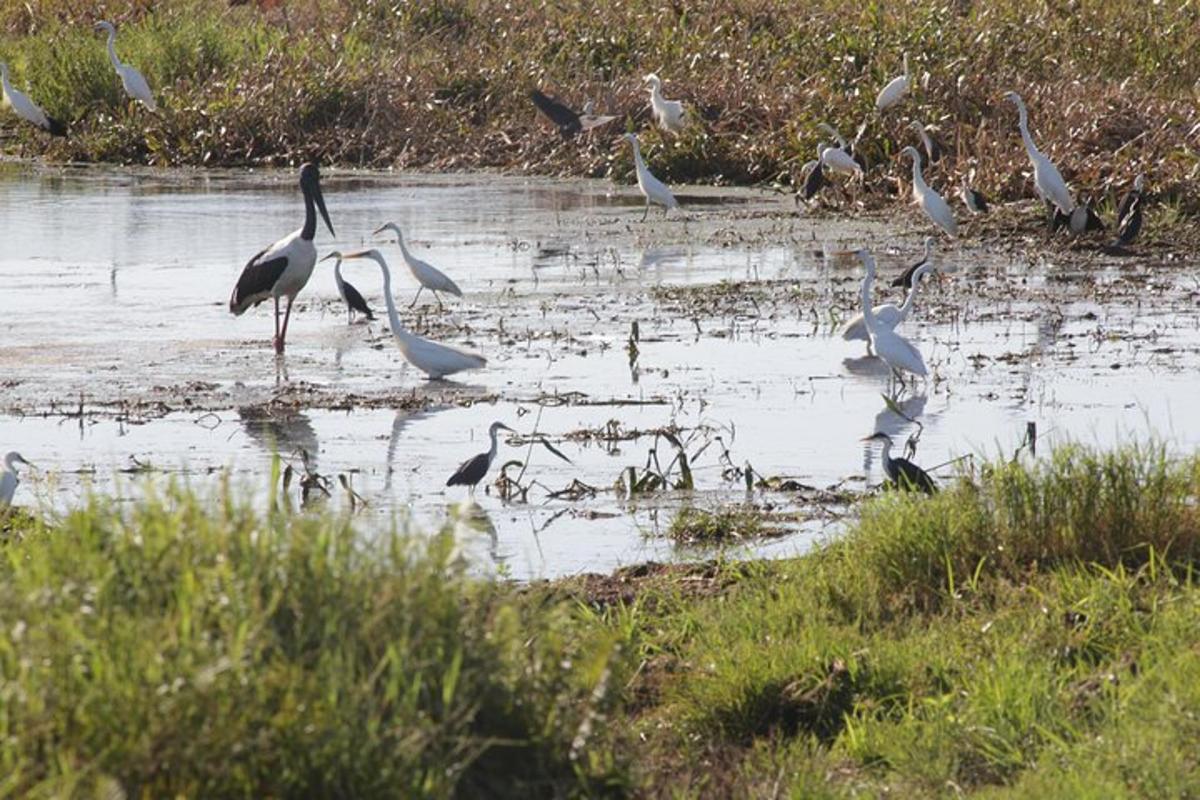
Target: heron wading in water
(474, 469)
(428, 276)
(900, 472)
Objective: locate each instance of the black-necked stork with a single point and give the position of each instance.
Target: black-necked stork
(9, 480)
(284, 268)
(973, 199)
(902, 473)
(350, 296)
(428, 276)
(434, 359)
(131, 80)
(568, 121)
(474, 469)
(26, 109)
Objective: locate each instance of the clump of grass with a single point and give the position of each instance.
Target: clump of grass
(725, 525)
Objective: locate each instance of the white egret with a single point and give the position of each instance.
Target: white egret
(475, 468)
(668, 113)
(838, 160)
(568, 121)
(896, 351)
(973, 199)
(28, 110)
(932, 203)
(131, 80)
(905, 279)
(887, 315)
(427, 275)
(1046, 179)
(895, 90)
(284, 268)
(933, 147)
(350, 296)
(434, 359)
(654, 190)
(900, 472)
(9, 480)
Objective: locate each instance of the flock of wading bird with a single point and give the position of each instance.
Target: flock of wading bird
(283, 269)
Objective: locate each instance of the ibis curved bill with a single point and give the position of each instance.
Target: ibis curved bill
(887, 315)
(434, 359)
(131, 80)
(902, 473)
(668, 113)
(28, 110)
(284, 268)
(896, 351)
(895, 90)
(475, 469)
(9, 479)
(1046, 178)
(428, 276)
(654, 190)
(932, 203)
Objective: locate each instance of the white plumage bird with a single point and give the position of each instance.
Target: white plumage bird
(654, 190)
(835, 159)
(28, 110)
(434, 359)
(131, 80)
(427, 275)
(932, 203)
(9, 480)
(895, 90)
(896, 351)
(887, 315)
(668, 113)
(1046, 178)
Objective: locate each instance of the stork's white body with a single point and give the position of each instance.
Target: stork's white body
(301, 255)
(932, 203)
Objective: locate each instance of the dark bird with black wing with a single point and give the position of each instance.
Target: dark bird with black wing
(473, 470)
(900, 472)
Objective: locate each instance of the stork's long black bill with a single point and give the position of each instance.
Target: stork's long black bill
(320, 200)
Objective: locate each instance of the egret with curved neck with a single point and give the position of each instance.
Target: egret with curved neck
(896, 351)
(131, 80)
(668, 113)
(654, 190)
(887, 315)
(1046, 178)
(932, 203)
(428, 276)
(9, 480)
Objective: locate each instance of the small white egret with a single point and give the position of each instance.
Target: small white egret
(28, 110)
(1046, 179)
(568, 121)
(9, 480)
(887, 315)
(434, 359)
(838, 160)
(895, 90)
(932, 203)
(900, 472)
(654, 190)
(905, 279)
(350, 296)
(896, 351)
(668, 113)
(933, 147)
(284, 268)
(973, 199)
(427, 275)
(131, 80)
(474, 469)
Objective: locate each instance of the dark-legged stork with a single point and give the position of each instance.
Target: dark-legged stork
(474, 469)
(350, 296)
(284, 268)
(902, 473)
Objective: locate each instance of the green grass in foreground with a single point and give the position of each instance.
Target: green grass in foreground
(1033, 634)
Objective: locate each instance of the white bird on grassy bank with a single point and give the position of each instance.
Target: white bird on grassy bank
(895, 90)
(668, 113)
(28, 110)
(131, 80)
(932, 203)
(427, 275)
(1046, 178)
(9, 480)
(654, 190)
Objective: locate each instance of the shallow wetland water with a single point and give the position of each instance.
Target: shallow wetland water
(118, 354)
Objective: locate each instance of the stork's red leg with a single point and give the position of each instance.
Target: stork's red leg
(287, 316)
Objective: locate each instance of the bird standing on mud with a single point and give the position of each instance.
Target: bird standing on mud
(28, 110)
(887, 315)
(1047, 181)
(654, 190)
(352, 297)
(900, 472)
(932, 203)
(131, 80)
(474, 469)
(9, 480)
(428, 276)
(284, 268)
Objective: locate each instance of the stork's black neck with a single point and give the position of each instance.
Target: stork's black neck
(310, 216)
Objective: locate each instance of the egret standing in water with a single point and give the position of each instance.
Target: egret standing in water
(902, 473)
(9, 480)
(131, 80)
(895, 90)
(932, 203)
(896, 351)
(428, 276)
(1046, 179)
(887, 315)
(434, 359)
(28, 110)
(284, 268)
(668, 113)
(350, 296)
(474, 469)
(654, 190)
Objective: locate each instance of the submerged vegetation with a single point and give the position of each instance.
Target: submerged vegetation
(444, 85)
(1029, 633)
